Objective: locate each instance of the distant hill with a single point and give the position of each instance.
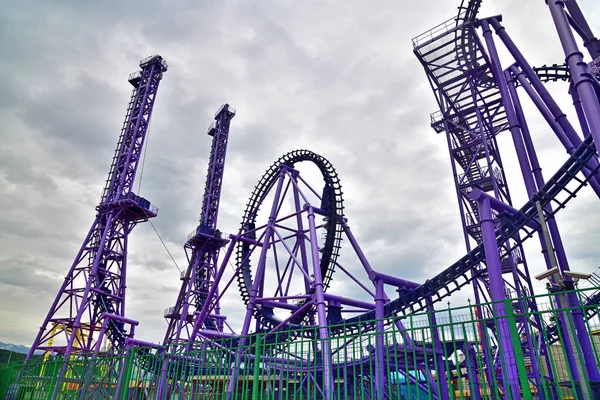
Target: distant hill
(17, 348)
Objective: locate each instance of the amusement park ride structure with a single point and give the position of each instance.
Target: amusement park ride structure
(90, 304)
(291, 233)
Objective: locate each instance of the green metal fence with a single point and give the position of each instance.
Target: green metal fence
(452, 353)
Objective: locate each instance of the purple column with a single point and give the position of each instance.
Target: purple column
(584, 88)
(301, 237)
(321, 308)
(372, 273)
(492, 260)
(589, 40)
(558, 130)
(260, 271)
(521, 151)
(580, 113)
(437, 347)
(582, 79)
(380, 348)
(560, 117)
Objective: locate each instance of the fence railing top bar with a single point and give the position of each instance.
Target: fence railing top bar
(437, 30)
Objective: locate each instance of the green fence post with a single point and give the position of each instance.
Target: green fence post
(123, 383)
(256, 367)
(516, 343)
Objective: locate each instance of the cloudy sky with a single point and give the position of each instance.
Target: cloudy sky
(336, 77)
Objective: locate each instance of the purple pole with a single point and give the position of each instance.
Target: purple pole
(437, 347)
(379, 358)
(301, 236)
(212, 292)
(321, 309)
(552, 225)
(559, 116)
(528, 179)
(260, 271)
(582, 79)
(560, 133)
(494, 269)
(369, 270)
(589, 40)
(583, 86)
(580, 113)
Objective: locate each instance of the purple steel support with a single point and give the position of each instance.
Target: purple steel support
(321, 308)
(472, 114)
(584, 87)
(526, 170)
(589, 104)
(556, 239)
(254, 291)
(206, 308)
(300, 233)
(392, 280)
(442, 378)
(498, 295)
(591, 43)
(580, 113)
(582, 79)
(369, 270)
(380, 299)
(559, 116)
(469, 353)
(558, 130)
(204, 243)
(95, 284)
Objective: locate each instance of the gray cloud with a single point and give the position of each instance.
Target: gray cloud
(338, 78)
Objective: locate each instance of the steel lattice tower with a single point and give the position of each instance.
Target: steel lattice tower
(472, 114)
(203, 244)
(90, 304)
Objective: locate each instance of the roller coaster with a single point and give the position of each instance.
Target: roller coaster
(302, 337)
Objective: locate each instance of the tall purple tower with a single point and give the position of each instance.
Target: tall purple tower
(203, 244)
(472, 114)
(90, 305)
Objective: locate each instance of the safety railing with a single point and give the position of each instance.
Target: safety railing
(429, 355)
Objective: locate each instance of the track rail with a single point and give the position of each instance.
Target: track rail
(333, 204)
(559, 190)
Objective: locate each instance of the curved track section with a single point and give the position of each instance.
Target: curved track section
(560, 189)
(332, 204)
(467, 11)
(519, 227)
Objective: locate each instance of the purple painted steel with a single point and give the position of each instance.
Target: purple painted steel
(494, 269)
(392, 280)
(558, 130)
(256, 287)
(203, 245)
(321, 307)
(556, 239)
(462, 74)
(582, 83)
(442, 379)
(558, 116)
(582, 79)
(95, 285)
(577, 18)
(580, 113)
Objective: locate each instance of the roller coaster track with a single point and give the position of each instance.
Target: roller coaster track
(468, 12)
(560, 189)
(332, 203)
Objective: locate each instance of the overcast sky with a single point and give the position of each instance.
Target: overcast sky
(336, 77)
